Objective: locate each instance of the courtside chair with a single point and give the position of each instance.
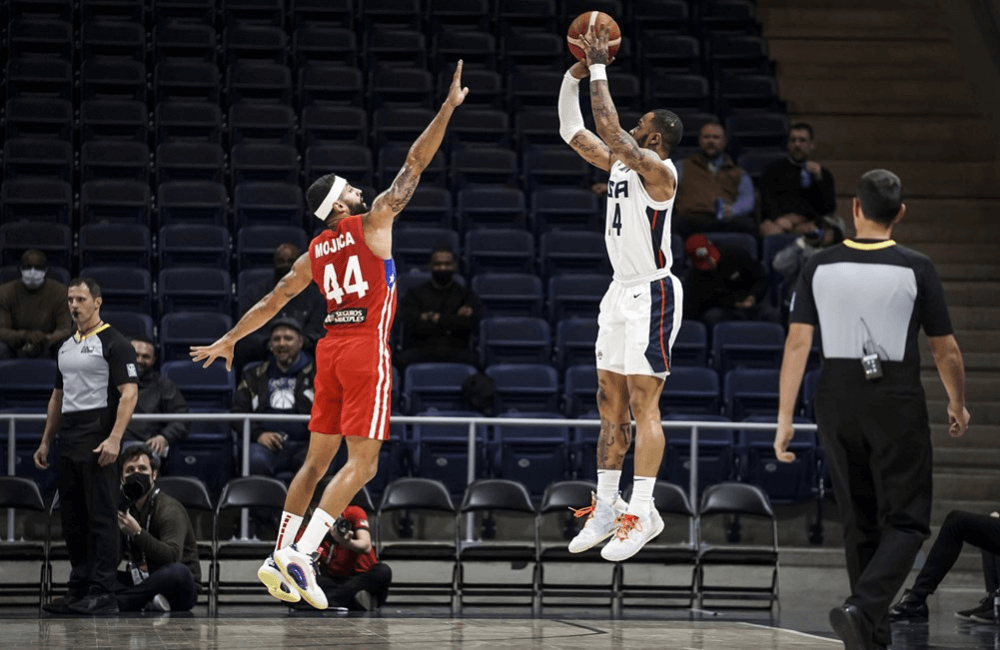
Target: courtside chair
(496, 569)
(22, 494)
(191, 493)
(264, 496)
(747, 501)
(416, 533)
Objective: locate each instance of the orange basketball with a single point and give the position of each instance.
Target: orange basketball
(583, 23)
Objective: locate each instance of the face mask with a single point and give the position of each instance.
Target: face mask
(137, 485)
(32, 278)
(442, 277)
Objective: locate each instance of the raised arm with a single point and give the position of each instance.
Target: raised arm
(257, 316)
(392, 201)
(622, 145)
(571, 126)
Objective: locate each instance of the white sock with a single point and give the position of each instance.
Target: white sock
(642, 495)
(289, 528)
(607, 484)
(317, 529)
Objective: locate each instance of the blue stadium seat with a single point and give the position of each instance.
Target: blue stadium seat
(717, 453)
(580, 389)
(536, 127)
(435, 385)
(771, 246)
(507, 339)
(26, 383)
(248, 285)
(575, 338)
(751, 392)
(178, 332)
(38, 158)
(573, 252)
(749, 91)
(401, 87)
(324, 83)
(755, 162)
(565, 208)
(739, 53)
(118, 39)
(758, 130)
(115, 201)
(735, 240)
(328, 43)
(194, 202)
(130, 324)
(483, 166)
(747, 344)
(349, 161)
(41, 78)
(180, 41)
(392, 157)
(679, 91)
(499, 250)
(429, 206)
(554, 166)
(131, 11)
(194, 245)
(209, 457)
(413, 245)
(252, 123)
(264, 163)
(809, 383)
(186, 81)
(263, 82)
(334, 125)
(509, 294)
(691, 391)
(195, 289)
(525, 387)
(113, 119)
(533, 455)
(113, 79)
(123, 288)
(793, 482)
(115, 244)
(479, 127)
(113, 160)
(53, 239)
(441, 451)
(691, 345)
(189, 161)
(267, 203)
(254, 43)
(255, 244)
(194, 11)
(29, 117)
(188, 121)
(202, 388)
(669, 51)
(529, 89)
(31, 199)
(576, 295)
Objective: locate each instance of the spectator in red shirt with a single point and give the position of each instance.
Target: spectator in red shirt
(349, 572)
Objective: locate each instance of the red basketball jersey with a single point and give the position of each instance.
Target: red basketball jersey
(359, 286)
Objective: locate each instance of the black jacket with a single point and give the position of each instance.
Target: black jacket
(166, 535)
(737, 276)
(781, 192)
(157, 394)
(450, 329)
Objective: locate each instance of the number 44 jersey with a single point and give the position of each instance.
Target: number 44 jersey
(359, 286)
(637, 229)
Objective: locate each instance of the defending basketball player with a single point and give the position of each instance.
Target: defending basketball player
(641, 312)
(352, 263)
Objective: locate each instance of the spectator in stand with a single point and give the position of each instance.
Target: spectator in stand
(713, 194)
(34, 317)
(281, 384)
(724, 285)
(796, 193)
(349, 572)
(157, 394)
(790, 260)
(308, 308)
(440, 317)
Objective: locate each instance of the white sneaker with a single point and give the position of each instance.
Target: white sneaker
(270, 575)
(299, 571)
(601, 523)
(632, 534)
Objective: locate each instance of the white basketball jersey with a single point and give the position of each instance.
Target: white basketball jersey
(637, 229)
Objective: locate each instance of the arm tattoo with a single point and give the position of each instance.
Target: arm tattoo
(613, 443)
(403, 188)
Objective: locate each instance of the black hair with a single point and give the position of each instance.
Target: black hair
(90, 283)
(143, 339)
(34, 252)
(669, 126)
(443, 248)
(317, 192)
(880, 193)
(802, 126)
(134, 451)
(711, 122)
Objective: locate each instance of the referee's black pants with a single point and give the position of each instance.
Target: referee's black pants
(876, 437)
(88, 503)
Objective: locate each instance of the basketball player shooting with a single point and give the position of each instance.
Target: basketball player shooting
(351, 262)
(641, 312)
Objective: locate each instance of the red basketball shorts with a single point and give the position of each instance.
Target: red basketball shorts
(353, 387)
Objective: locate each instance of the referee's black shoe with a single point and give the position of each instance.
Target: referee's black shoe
(95, 603)
(848, 622)
(910, 607)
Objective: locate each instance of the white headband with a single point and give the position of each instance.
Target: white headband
(323, 211)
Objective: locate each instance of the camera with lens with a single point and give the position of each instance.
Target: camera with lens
(815, 236)
(131, 492)
(342, 526)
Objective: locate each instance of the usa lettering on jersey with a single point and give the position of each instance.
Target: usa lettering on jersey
(618, 190)
(329, 246)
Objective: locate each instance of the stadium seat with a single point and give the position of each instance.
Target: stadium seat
(53, 239)
(195, 289)
(26, 383)
(334, 125)
(117, 39)
(750, 392)
(186, 81)
(728, 15)
(691, 345)
(401, 87)
(482, 127)
(533, 51)
(430, 207)
(113, 119)
(41, 78)
(199, 11)
(573, 252)
(499, 250)
(488, 84)
(536, 127)
(412, 245)
(677, 53)
(507, 339)
(533, 455)
(113, 160)
(509, 294)
(399, 126)
(576, 295)
(255, 244)
(749, 91)
(391, 47)
(178, 332)
(527, 15)
(115, 244)
(580, 389)
(755, 162)
(189, 161)
(179, 41)
(483, 166)
(391, 159)
(194, 202)
(248, 285)
(739, 53)
(113, 79)
(323, 83)
(783, 483)
(735, 240)
(531, 89)
(38, 158)
(435, 385)
(477, 49)
(264, 82)
(555, 166)
(441, 451)
(309, 12)
(268, 203)
(525, 387)
(328, 43)
(270, 13)
(565, 208)
(747, 344)
(679, 91)
(758, 130)
(41, 38)
(693, 122)
(30, 117)
(264, 163)
(131, 11)
(188, 244)
(130, 324)
(717, 453)
(251, 123)
(202, 388)
(348, 161)
(122, 288)
(691, 391)
(575, 339)
(36, 200)
(254, 43)
(459, 16)
(188, 121)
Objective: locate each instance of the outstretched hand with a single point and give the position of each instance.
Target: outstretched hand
(595, 45)
(221, 349)
(456, 93)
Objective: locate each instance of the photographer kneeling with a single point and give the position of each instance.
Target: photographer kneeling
(159, 544)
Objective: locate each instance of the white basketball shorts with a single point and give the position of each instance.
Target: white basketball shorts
(637, 326)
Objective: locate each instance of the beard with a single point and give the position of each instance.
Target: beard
(358, 207)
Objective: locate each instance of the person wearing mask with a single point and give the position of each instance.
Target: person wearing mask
(797, 192)
(157, 394)
(34, 318)
(162, 570)
(440, 317)
(281, 384)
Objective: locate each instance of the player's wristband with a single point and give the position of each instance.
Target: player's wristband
(598, 72)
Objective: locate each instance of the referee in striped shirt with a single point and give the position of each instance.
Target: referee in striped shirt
(869, 296)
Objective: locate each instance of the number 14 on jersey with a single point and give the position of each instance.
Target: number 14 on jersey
(353, 282)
